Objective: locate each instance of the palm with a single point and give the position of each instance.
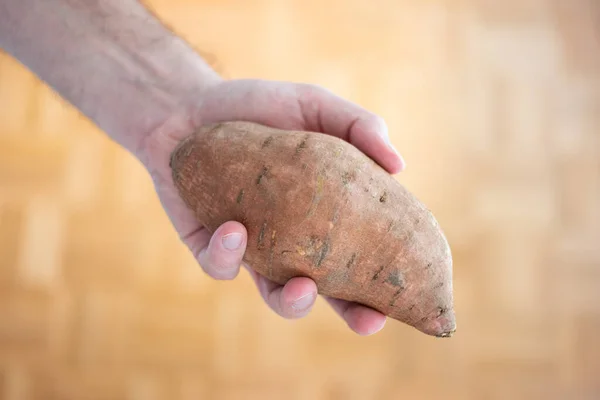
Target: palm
(284, 106)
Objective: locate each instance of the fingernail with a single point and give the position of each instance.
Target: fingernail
(384, 133)
(304, 302)
(386, 138)
(391, 146)
(232, 241)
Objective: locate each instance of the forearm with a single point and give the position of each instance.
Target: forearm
(111, 59)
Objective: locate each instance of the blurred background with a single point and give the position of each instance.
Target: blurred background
(495, 106)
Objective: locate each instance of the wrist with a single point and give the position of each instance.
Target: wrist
(165, 89)
(155, 145)
(145, 82)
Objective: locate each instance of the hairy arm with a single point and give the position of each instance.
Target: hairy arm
(112, 59)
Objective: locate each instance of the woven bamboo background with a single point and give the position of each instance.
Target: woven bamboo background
(495, 106)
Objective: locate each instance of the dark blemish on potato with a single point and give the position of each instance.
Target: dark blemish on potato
(395, 297)
(347, 177)
(313, 241)
(378, 272)
(395, 279)
(323, 254)
(240, 197)
(391, 225)
(261, 175)
(301, 145)
(351, 261)
(267, 142)
(304, 166)
(271, 250)
(440, 311)
(439, 285)
(336, 215)
(336, 278)
(383, 197)
(411, 307)
(314, 248)
(317, 195)
(417, 221)
(429, 265)
(285, 252)
(261, 234)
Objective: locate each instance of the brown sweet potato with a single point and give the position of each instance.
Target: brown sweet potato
(316, 206)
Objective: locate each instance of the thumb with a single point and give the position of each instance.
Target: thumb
(221, 257)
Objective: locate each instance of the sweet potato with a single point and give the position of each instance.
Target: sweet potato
(316, 206)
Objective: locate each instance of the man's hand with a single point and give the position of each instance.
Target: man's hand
(147, 89)
(281, 105)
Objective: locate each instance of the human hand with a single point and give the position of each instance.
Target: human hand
(281, 105)
(148, 89)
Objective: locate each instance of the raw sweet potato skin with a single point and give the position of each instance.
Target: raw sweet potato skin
(316, 206)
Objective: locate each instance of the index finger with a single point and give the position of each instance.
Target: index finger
(328, 113)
